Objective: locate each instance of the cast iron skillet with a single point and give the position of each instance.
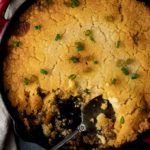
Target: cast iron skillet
(36, 136)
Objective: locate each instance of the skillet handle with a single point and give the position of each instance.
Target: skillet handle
(81, 128)
(3, 22)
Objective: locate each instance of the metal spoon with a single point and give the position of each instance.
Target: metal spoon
(89, 112)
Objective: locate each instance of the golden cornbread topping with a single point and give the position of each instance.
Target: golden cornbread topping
(70, 51)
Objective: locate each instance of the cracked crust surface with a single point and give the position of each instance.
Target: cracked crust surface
(38, 49)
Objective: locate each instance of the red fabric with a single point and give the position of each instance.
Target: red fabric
(3, 7)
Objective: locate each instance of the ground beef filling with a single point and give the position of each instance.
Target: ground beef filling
(65, 117)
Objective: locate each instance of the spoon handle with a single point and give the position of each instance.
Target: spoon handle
(68, 138)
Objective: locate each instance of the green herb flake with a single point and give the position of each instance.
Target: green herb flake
(72, 3)
(79, 46)
(16, 44)
(87, 91)
(118, 44)
(25, 81)
(95, 62)
(125, 71)
(122, 120)
(58, 37)
(37, 27)
(75, 3)
(74, 59)
(89, 34)
(134, 76)
(114, 81)
(43, 71)
(72, 77)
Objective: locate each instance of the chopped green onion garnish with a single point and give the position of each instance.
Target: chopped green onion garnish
(118, 44)
(89, 33)
(16, 44)
(134, 76)
(87, 91)
(43, 71)
(25, 81)
(72, 3)
(72, 76)
(122, 120)
(75, 3)
(74, 59)
(125, 70)
(95, 61)
(114, 81)
(37, 27)
(79, 46)
(58, 37)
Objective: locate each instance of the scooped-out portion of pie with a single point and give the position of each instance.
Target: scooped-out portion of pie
(63, 53)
